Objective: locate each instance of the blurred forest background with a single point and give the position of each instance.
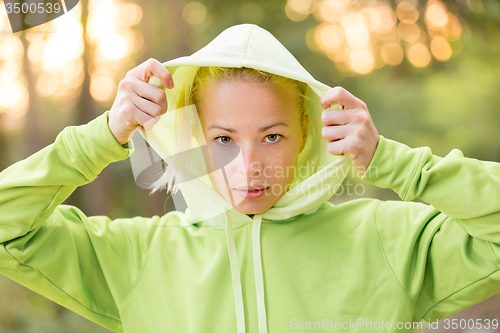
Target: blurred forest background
(429, 72)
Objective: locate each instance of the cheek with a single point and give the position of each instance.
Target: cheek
(218, 180)
(290, 153)
(282, 166)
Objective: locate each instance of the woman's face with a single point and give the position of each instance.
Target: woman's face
(263, 122)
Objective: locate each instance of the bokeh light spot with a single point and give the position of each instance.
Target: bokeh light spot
(392, 54)
(114, 46)
(194, 13)
(102, 86)
(441, 49)
(436, 14)
(361, 61)
(418, 54)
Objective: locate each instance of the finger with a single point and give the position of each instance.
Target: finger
(150, 92)
(147, 106)
(337, 147)
(340, 117)
(143, 119)
(341, 96)
(152, 67)
(334, 133)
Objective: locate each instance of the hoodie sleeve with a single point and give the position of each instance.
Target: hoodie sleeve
(54, 249)
(446, 255)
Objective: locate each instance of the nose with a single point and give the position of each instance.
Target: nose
(250, 164)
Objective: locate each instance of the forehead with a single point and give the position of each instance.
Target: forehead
(245, 100)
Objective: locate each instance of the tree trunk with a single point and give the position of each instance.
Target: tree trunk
(33, 125)
(91, 198)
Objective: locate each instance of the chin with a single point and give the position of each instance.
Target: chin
(252, 208)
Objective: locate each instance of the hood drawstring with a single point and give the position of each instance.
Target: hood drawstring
(257, 268)
(235, 274)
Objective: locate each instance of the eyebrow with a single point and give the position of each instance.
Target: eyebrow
(263, 129)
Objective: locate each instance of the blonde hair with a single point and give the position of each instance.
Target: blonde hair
(191, 86)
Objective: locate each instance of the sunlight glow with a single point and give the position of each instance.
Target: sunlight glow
(113, 46)
(112, 40)
(14, 98)
(362, 36)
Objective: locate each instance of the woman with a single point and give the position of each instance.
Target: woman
(257, 249)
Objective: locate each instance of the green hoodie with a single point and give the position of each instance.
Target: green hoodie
(303, 265)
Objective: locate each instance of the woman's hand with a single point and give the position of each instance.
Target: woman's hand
(351, 130)
(137, 102)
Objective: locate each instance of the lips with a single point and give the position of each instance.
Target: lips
(251, 188)
(251, 192)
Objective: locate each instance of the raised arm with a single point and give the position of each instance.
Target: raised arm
(49, 247)
(87, 264)
(446, 256)
(466, 189)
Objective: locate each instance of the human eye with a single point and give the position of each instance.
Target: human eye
(223, 143)
(274, 137)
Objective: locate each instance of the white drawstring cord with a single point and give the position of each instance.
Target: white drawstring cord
(235, 273)
(257, 267)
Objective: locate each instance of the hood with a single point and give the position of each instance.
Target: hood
(319, 173)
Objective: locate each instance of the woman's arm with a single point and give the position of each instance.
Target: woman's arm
(87, 264)
(445, 256)
(55, 249)
(466, 189)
